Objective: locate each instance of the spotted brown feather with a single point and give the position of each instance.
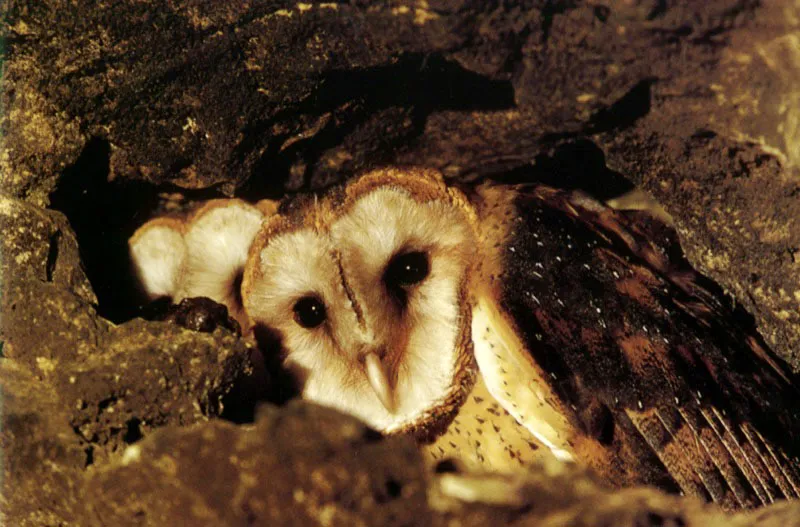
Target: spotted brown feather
(640, 333)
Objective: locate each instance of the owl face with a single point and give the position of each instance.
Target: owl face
(200, 255)
(366, 292)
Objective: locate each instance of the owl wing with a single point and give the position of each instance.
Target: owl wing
(656, 380)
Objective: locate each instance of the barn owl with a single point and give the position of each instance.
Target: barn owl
(201, 254)
(500, 324)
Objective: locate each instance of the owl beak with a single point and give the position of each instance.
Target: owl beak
(378, 380)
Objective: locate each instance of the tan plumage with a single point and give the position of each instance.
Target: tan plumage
(335, 251)
(201, 254)
(516, 322)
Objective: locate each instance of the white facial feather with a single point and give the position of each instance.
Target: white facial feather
(383, 224)
(158, 252)
(347, 262)
(293, 266)
(217, 242)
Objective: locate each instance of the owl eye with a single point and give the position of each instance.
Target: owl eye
(309, 312)
(406, 269)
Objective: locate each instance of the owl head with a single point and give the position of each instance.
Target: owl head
(365, 293)
(199, 254)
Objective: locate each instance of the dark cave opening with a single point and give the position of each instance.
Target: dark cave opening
(577, 164)
(104, 214)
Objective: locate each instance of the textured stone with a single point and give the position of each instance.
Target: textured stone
(694, 101)
(146, 375)
(77, 389)
(42, 466)
(307, 465)
(302, 465)
(39, 244)
(109, 104)
(46, 300)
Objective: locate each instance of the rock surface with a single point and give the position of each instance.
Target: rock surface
(77, 389)
(306, 465)
(300, 466)
(110, 105)
(42, 462)
(694, 101)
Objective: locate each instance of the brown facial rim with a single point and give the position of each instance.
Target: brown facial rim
(424, 185)
(434, 422)
(428, 185)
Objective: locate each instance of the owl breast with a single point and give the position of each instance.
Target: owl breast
(485, 436)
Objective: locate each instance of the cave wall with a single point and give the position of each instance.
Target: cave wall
(694, 101)
(107, 105)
